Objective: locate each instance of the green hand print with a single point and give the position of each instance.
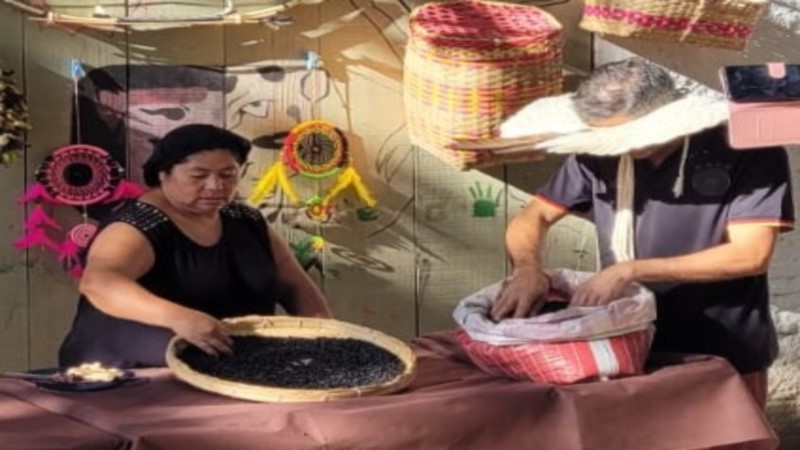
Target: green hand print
(484, 204)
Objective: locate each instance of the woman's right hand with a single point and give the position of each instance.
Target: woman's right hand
(522, 295)
(202, 331)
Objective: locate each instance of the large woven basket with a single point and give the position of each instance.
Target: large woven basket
(717, 23)
(298, 327)
(469, 65)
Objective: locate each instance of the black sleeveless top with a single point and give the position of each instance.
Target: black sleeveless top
(234, 277)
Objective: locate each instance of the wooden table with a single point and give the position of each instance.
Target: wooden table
(451, 405)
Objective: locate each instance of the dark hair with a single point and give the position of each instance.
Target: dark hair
(632, 87)
(187, 140)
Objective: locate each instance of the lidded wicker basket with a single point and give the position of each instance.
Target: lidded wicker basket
(295, 327)
(471, 64)
(718, 23)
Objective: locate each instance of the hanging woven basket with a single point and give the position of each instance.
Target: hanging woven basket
(300, 328)
(471, 64)
(717, 23)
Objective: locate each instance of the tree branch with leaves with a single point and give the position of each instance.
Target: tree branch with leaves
(13, 119)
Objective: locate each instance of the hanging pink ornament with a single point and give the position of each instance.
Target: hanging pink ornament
(35, 237)
(35, 192)
(38, 218)
(68, 253)
(76, 175)
(82, 234)
(75, 271)
(125, 190)
(79, 175)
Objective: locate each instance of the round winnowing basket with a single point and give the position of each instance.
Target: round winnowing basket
(297, 327)
(469, 65)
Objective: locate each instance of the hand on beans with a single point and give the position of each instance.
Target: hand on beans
(523, 294)
(604, 287)
(203, 331)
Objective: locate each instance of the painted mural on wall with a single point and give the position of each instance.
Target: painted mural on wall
(125, 109)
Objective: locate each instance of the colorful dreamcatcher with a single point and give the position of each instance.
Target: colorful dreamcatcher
(317, 150)
(79, 176)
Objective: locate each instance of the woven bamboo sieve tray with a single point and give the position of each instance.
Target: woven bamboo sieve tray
(295, 327)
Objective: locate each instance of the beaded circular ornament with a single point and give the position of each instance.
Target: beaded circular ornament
(82, 234)
(315, 149)
(79, 175)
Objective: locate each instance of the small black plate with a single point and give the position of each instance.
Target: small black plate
(127, 377)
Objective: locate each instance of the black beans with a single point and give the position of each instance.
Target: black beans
(553, 306)
(320, 363)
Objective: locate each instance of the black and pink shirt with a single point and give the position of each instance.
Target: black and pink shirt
(721, 187)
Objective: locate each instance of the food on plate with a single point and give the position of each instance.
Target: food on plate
(93, 372)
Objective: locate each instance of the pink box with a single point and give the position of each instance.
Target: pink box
(754, 125)
(764, 104)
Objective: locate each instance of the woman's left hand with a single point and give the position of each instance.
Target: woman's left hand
(607, 285)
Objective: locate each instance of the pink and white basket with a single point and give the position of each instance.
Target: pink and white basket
(566, 346)
(562, 362)
(713, 23)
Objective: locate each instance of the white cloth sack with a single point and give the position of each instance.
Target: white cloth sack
(633, 312)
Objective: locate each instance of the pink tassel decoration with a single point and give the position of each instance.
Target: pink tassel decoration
(38, 218)
(34, 193)
(68, 253)
(35, 237)
(75, 271)
(125, 190)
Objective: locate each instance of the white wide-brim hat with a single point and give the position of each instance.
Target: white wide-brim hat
(551, 125)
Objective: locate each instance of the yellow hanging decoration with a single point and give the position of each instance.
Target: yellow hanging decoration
(349, 177)
(276, 175)
(315, 149)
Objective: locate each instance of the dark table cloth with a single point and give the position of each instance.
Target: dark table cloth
(24, 426)
(699, 403)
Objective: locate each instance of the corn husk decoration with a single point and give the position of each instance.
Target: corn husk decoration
(13, 119)
(317, 150)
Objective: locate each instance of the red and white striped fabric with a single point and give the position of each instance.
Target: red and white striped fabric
(562, 362)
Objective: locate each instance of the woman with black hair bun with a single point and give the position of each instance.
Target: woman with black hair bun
(181, 257)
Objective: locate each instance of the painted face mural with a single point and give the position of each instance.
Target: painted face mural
(126, 109)
(126, 114)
